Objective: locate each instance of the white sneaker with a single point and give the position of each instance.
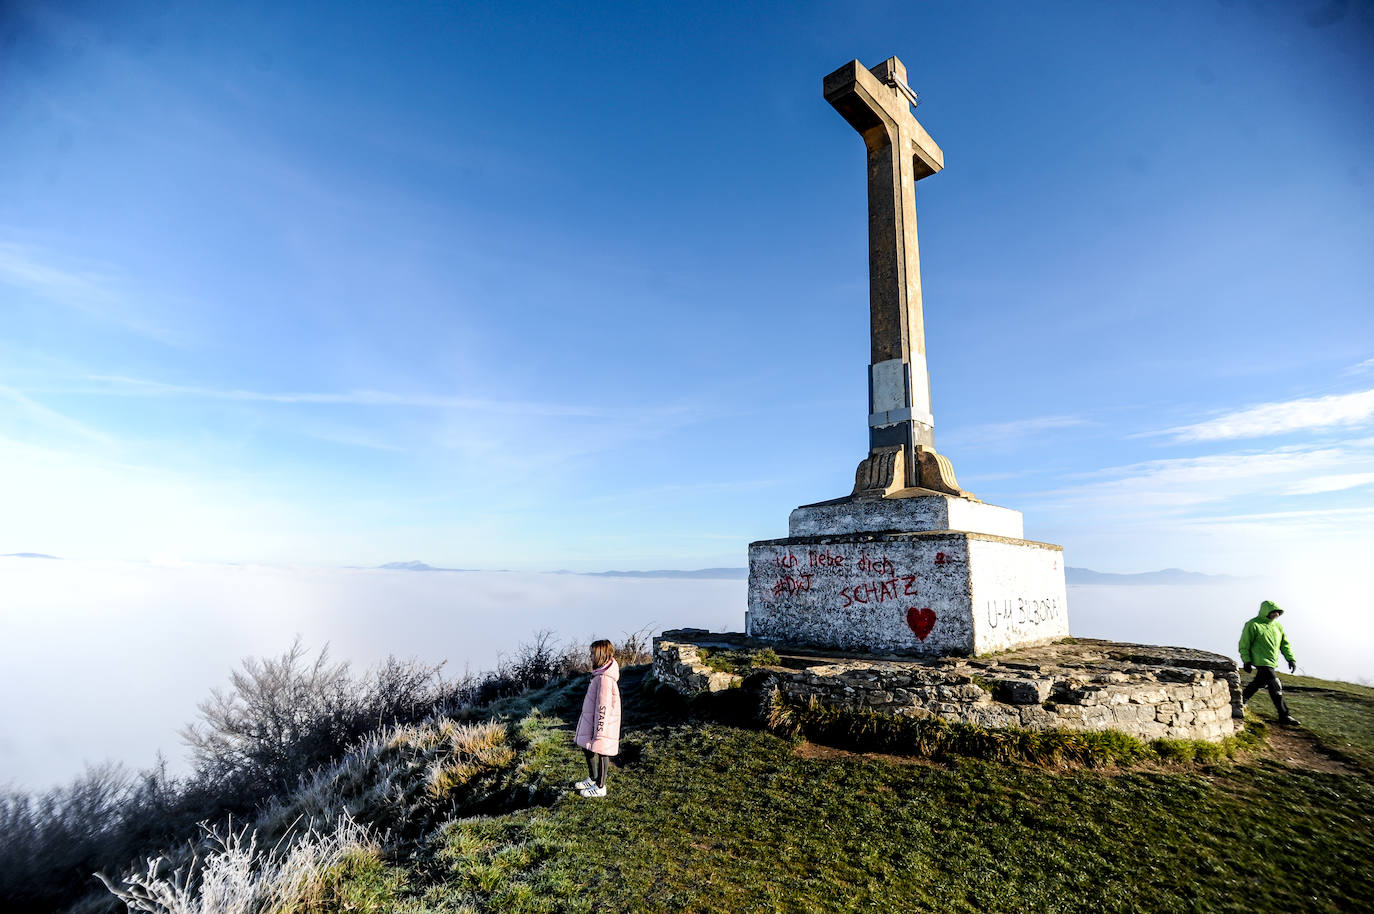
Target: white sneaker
(584, 784)
(592, 791)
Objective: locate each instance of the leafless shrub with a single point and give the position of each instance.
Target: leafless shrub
(631, 649)
(273, 708)
(47, 842)
(635, 647)
(534, 664)
(290, 736)
(283, 716)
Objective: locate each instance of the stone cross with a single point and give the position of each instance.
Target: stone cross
(877, 103)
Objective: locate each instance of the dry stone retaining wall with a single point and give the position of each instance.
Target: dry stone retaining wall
(1146, 691)
(679, 664)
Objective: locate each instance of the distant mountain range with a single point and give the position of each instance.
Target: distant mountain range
(704, 574)
(1167, 576)
(713, 574)
(1075, 576)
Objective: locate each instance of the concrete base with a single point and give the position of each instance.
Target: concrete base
(929, 593)
(910, 511)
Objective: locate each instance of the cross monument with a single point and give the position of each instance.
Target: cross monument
(877, 103)
(908, 562)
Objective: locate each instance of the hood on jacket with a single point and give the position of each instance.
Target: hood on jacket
(1267, 607)
(611, 670)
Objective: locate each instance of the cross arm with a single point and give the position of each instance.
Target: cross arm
(869, 103)
(928, 157)
(859, 97)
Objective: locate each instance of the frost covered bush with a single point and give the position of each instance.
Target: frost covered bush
(292, 736)
(237, 876)
(283, 716)
(406, 777)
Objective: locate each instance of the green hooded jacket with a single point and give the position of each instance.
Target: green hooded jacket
(1261, 640)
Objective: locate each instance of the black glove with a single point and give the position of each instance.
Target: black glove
(1292, 666)
(1249, 667)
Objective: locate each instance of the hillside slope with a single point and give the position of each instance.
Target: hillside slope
(705, 815)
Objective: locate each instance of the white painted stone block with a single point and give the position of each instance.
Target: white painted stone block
(919, 514)
(943, 592)
(888, 380)
(1019, 594)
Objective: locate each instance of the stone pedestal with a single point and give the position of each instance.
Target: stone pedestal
(898, 576)
(904, 513)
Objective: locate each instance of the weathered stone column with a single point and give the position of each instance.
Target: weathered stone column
(877, 103)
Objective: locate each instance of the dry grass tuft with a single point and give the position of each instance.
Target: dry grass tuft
(237, 876)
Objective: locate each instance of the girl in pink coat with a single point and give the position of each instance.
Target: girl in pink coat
(598, 729)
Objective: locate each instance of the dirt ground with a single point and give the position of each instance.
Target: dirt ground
(1296, 748)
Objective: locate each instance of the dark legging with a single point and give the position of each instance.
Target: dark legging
(1265, 676)
(596, 767)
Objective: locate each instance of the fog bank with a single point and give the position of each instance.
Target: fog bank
(107, 660)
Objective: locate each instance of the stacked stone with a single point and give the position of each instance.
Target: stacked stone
(679, 666)
(1157, 693)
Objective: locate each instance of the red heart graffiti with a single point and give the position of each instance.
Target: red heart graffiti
(921, 620)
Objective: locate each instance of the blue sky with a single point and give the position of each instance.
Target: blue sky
(536, 287)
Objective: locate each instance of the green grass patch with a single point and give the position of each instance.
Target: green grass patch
(706, 816)
(361, 882)
(1339, 714)
(720, 818)
(739, 661)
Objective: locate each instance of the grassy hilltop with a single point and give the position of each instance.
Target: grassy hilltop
(709, 815)
(460, 803)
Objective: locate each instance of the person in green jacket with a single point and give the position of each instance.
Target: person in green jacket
(1261, 642)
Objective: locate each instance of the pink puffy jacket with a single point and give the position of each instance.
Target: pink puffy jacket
(598, 729)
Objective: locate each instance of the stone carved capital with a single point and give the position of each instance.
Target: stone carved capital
(937, 472)
(881, 473)
(884, 472)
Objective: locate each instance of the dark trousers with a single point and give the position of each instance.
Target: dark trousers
(596, 767)
(1267, 677)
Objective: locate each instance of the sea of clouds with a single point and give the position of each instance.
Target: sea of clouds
(108, 660)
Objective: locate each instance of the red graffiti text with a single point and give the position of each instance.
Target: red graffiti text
(826, 559)
(789, 585)
(879, 590)
(882, 566)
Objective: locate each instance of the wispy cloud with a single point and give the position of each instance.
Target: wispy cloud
(641, 496)
(1338, 483)
(1179, 486)
(351, 437)
(93, 292)
(1009, 432)
(117, 386)
(1337, 410)
(51, 418)
(1248, 512)
(1365, 367)
(1326, 539)
(1185, 481)
(20, 266)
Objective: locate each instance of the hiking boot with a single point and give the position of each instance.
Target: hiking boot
(592, 791)
(1289, 722)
